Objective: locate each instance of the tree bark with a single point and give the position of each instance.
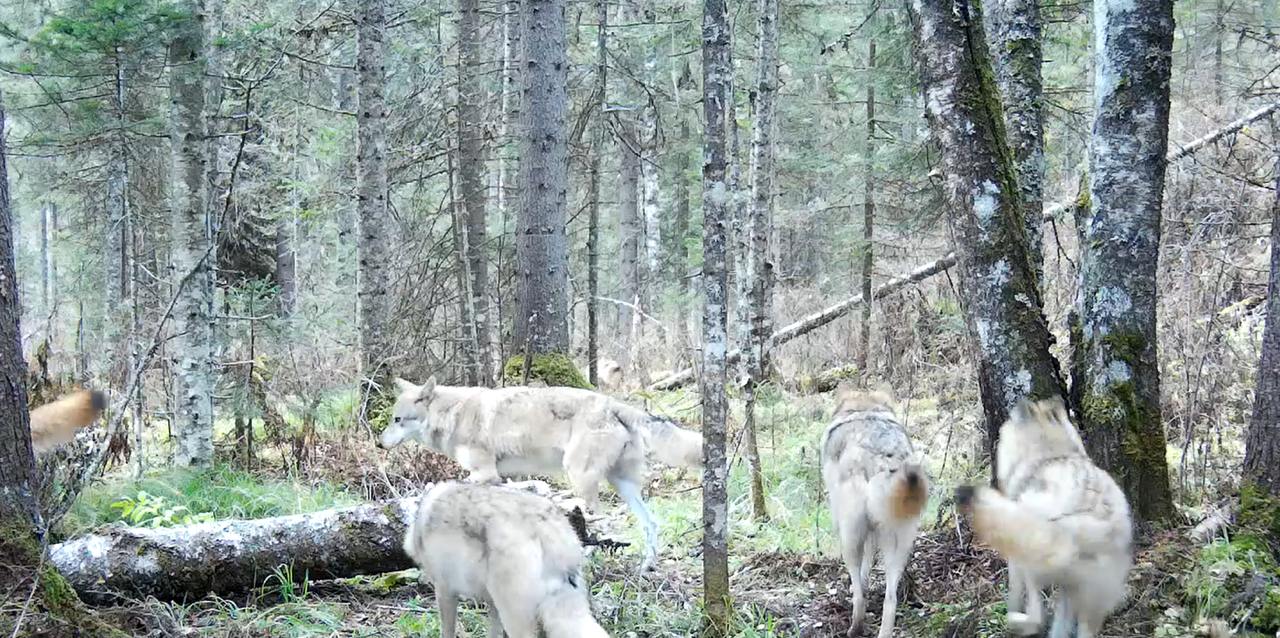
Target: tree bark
(472, 179)
(679, 253)
(868, 211)
(48, 269)
(1016, 38)
(541, 242)
(192, 244)
(372, 216)
(1120, 244)
(188, 563)
(598, 136)
(717, 78)
(629, 239)
(286, 271)
(1262, 446)
(116, 248)
(1000, 294)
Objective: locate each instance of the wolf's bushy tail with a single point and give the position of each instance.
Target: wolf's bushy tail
(908, 493)
(1016, 532)
(566, 611)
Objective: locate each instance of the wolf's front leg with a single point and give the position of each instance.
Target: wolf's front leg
(1028, 624)
(495, 621)
(447, 601)
(482, 465)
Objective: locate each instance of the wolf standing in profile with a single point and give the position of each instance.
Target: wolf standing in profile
(56, 423)
(513, 550)
(877, 491)
(519, 431)
(1057, 518)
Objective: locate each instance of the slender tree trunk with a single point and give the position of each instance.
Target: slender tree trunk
(508, 164)
(48, 287)
(1120, 250)
(868, 212)
(286, 273)
(472, 162)
(629, 239)
(1016, 38)
(680, 228)
(759, 269)
(717, 78)
(372, 216)
(1262, 447)
(999, 292)
(192, 245)
(541, 244)
(1219, 34)
(115, 253)
(598, 136)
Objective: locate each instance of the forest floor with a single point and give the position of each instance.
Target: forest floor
(787, 577)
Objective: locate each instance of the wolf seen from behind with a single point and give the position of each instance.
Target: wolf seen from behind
(877, 491)
(1058, 519)
(522, 431)
(513, 550)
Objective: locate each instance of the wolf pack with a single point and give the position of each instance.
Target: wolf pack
(1061, 522)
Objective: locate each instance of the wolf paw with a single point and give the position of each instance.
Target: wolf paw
(1022, 625)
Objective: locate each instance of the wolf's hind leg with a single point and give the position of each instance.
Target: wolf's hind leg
(854, 544)
(897, 551)
(629, 490)
(495, 621)
(1016, 602)
(1028, 623)
(518, 613)
(1063, 617)
(447, 601)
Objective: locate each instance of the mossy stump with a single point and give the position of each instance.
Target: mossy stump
(553, 369)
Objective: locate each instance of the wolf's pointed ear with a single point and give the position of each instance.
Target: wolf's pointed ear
(405, 387)
(1057, 407)
(427, 391)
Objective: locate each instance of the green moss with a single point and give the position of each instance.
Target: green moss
(553, 368)
(379, 411)
(1268, 617)
(1260, 511)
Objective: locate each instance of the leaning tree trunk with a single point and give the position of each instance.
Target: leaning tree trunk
(717, 78)
(1120, 250)
(372, 217)
(188, 563)
(759, 266)
(541, 321)
(1016, 39)
(1001, 298)
(192, 246)
(1262, 447)
(472, 181)
(599, 134)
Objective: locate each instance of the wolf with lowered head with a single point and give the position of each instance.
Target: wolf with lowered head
(877, 490)
(515, 551)
(520, 431)
(1058, 519)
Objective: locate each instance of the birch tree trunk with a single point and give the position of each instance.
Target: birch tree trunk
(868, 211)
(192, 245)
(629, 240)
(508, 164)
(717, 78)
(1262, 447)
(472, 162)
(372, 217)
(1016, 38)
(999, 290)
(599, 134)
(541, 244)
(1120, 248)
(759, 266)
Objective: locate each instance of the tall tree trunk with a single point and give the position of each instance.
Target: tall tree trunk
(192, 245)
(541, 244)
(999, 292)
(372, 217)
(472, 163)
(717, 78)
(1016, 38)
(115, 253)
(598, 136)
(679, 252)
(508, 164)
(48, 270)
(1262, 447)
(286, 273)
(759, 228)
(1120, 249)
(629, 239)
(868, 210)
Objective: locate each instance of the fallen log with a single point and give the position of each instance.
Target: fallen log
(189, 562)
(1051, 213)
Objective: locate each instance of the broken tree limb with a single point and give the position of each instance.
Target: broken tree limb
(822, 317)
(189, 562)
(1051, 213)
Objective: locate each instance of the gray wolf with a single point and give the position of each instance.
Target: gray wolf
(1057, 518)
(877, 491)
(609, 374)
(513, 550)
(56, 423)
(520, 431)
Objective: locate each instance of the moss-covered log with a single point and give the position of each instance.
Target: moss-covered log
(187, 563)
